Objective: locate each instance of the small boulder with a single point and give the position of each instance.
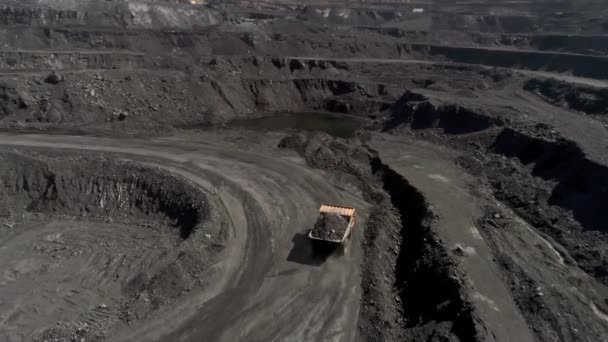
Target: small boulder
(54, 78)
(119, 115)
(296, 64)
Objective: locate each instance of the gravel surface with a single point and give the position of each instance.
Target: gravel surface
(330, 226)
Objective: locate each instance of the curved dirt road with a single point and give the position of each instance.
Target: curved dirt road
(269, 286)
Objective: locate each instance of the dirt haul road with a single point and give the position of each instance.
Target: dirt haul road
(267, 285)
(558, 76)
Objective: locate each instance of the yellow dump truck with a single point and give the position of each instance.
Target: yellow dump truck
(335, 224)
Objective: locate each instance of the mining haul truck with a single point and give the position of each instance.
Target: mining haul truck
(334, 225)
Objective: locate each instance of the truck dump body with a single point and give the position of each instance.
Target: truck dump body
(334, 223)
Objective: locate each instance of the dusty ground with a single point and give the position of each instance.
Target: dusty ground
(471, 138)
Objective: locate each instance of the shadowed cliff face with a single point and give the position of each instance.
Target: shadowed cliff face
(101, 189)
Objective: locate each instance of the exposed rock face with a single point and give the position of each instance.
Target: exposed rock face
(100, 188)
(588, 100)
(108, 13)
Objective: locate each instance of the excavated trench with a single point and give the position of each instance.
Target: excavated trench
(431, 294)
(98, 243)
(411, 288)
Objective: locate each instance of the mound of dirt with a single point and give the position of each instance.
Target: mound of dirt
(330, 226)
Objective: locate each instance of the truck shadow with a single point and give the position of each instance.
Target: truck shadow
(310, 252)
